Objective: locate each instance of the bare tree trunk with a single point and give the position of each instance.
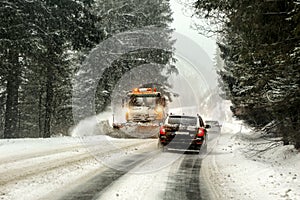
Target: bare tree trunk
(49, 102)
(12, 91)
(40, 106)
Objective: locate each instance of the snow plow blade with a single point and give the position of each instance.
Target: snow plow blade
(138, 130)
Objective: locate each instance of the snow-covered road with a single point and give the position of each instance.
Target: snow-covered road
(101, 167)
(96, 167)
(33, 168)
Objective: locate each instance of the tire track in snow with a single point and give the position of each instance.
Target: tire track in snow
(211, 181)
(10, 175)
(93, 187)
(185, 183)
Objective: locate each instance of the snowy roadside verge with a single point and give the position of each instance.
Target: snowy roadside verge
(53, 164)
(234, 171)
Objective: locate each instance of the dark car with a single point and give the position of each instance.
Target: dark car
(214, 126)
(183, 132)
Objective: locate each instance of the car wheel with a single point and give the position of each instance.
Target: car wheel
(159, 145)
(162, 147)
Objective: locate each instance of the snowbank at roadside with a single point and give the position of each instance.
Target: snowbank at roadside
(15, 147)
(244, 166)
(33, 168)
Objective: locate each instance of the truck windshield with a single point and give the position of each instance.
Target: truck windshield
(143, 101)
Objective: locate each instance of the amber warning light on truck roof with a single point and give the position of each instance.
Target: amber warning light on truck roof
(143, 90)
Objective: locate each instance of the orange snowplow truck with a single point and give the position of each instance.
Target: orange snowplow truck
(145, 105)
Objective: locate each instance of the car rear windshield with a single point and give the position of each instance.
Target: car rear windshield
(183, 120)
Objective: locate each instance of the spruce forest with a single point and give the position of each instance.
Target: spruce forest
(42, 45)
(260, 46)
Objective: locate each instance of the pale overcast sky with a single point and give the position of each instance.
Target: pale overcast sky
(182, 24)
(195, 54)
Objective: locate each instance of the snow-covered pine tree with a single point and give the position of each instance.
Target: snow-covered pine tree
(261, 74)
(34, 38)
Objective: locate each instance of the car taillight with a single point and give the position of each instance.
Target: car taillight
(201, 132)
(162, 131)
